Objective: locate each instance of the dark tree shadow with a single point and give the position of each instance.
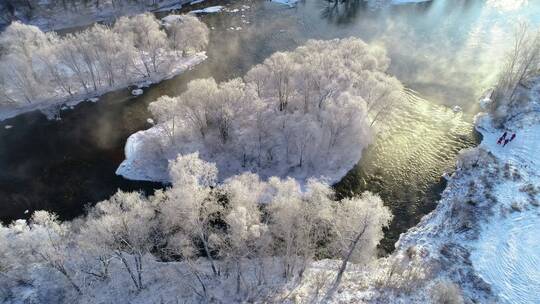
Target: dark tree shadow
(342, 12)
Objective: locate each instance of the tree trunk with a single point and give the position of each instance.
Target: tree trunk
(207, 251)
(343, 266)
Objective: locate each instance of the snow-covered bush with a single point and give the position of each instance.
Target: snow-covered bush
(305, 113)
(446, 292)
(37, 67)
(474, 158)
(239, 241)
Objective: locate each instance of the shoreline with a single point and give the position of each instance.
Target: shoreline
(51, 110)
(469, 238)
(137, 168)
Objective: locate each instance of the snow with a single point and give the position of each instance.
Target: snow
(507, 253)
(7, 127)
(507, 256)
(457, 109)
(208, 10)
(131, 168)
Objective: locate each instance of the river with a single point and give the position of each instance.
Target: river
(446, 52)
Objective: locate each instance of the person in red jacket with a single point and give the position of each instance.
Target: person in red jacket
(503, 137)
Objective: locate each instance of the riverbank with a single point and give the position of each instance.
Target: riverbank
(52, 108)
(483, 234)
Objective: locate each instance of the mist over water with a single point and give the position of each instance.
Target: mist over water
(446, 51)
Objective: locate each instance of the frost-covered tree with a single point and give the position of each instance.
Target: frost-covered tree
(304, 113)
(193, 205)
(521, 63)
(240, 241)
(46, 68)
(146, 36)
(195, 39)
(44, 241)
(357, 224)
(247, 236)
(123, 227)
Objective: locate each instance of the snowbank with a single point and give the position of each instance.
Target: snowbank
(136, 166)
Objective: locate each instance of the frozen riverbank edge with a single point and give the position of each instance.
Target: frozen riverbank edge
(140, 168)
(52, 109)
(483, 233)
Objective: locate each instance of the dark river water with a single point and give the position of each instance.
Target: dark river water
(445, 51)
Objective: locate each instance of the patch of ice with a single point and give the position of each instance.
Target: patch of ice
(130, 168)
(290, 3)
(398, 2)
(94, 99)
(208, 10)
(507, 253)
(137, 92)
(7, 127)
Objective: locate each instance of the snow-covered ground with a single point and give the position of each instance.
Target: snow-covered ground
(51, 108)
(484, 233)
(507, 253)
